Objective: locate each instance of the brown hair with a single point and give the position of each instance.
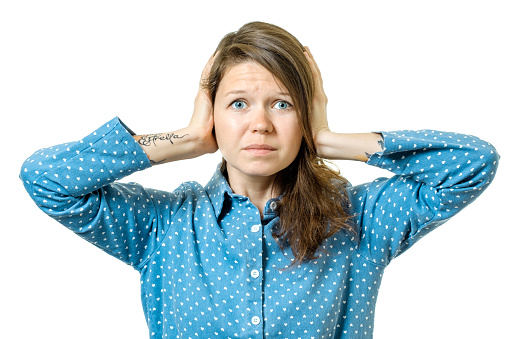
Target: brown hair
(314, 202)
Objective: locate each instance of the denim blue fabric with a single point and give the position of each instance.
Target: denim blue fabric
(209, 266)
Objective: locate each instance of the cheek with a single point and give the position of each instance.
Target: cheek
(294, 139)
(218, 124)
(293, 132)
(225, 130)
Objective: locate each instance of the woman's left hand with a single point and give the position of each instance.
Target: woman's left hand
(319, 122)
(330, 145)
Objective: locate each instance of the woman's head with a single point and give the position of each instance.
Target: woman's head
(278, 52)
(256, 124)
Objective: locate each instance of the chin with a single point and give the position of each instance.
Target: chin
(253, 170)
(260, 172)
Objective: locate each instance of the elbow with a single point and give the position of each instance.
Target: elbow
(486, 160)
(28, 175)
(491, 160)
(46, 193)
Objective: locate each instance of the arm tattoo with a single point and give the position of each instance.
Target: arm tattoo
(153, 163)
(381, 143)
(149, 140)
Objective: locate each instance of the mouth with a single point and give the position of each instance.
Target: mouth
(259, 149)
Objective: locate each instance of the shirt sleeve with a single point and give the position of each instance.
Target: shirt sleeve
(74, 183)
(437, 174)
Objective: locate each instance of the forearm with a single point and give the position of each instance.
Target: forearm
(348, 146)
(172, 146)
(81, 167)
(452, 162)
(166, 147)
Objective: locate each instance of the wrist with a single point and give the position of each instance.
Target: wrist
(322, 141)
(348, 146)
(200, 142)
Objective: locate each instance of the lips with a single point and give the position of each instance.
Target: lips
(259, 149)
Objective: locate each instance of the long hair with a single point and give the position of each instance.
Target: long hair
(314, 204)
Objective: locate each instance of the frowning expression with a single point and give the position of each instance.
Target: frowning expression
(256, 124)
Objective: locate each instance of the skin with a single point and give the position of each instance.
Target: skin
(257, 129)
(258, 120)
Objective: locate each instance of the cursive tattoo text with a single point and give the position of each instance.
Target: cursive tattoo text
(150, 139)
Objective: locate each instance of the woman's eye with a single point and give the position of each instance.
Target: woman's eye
(283, 105)
(239, 104)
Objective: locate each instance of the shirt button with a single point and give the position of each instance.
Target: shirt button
(255, 228)
(255, 273)
(255, 320)
(273, 205)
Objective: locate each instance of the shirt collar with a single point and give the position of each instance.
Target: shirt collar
(218, 190)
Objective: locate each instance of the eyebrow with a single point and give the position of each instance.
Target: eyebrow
(240, 91)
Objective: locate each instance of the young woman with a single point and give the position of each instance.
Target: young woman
(276, 244)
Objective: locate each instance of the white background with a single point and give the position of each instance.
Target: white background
(66, 67)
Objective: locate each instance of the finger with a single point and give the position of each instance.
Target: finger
(315, 71)
(206, 70)
(313, 62)
(310, 59)
(314, 68)
(210, 62)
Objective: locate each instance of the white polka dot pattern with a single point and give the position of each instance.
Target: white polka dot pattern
(209, 265)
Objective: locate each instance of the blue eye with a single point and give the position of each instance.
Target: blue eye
(282, 105)
(239, 104)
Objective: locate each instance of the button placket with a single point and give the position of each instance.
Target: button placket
(254, 237)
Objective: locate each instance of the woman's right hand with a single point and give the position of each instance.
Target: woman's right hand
(190, 142)
(202, 121)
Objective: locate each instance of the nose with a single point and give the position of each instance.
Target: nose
(260, 121)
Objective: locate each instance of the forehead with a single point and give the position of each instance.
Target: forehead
(249, 76)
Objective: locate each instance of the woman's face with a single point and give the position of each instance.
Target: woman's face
(256, 124)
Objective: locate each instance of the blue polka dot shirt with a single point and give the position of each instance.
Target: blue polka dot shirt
(209, 266)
